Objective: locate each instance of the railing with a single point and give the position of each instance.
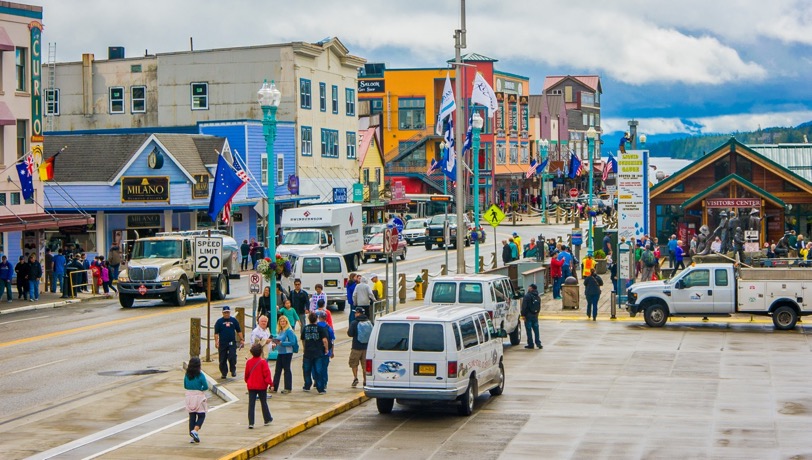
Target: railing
(417, 140)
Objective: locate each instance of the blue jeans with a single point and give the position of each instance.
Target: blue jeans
(565, 272)
(557, 287)
(320, 373)
(592, 306)
(114, 269)
(531, 326)
(308, 368)
(33, 289)
(5, 286)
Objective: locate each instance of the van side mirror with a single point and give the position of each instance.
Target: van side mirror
(679, 285)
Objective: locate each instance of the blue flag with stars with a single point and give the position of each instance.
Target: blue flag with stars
(226, 184)
(25, 170)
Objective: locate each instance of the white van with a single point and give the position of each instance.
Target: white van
(434, 353)
(326, 268)
(494, 293)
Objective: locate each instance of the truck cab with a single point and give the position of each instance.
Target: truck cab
(309, 239)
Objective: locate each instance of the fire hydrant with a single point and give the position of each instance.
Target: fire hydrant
(418, 287)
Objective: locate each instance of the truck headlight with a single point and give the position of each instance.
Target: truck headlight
(122, 276)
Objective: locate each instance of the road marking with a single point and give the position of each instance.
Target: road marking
(38, 366)
(91, 327)
(26, 319)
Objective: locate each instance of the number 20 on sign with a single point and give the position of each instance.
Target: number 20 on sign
(208, 255)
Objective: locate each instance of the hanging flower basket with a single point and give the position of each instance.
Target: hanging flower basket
(278, 267)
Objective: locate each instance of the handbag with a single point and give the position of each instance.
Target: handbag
(295, 344)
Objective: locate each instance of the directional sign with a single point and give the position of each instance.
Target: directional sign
(208, 254)
(398, 223)
(339, 195)
(494, 215)
(254, 283)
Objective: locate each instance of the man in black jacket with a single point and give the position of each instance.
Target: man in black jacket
(299, 299)
(531, 306)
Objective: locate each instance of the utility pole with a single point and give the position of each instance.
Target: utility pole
(462, 230)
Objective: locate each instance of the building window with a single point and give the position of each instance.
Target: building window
(15, 198)
(568, 94)
(351, 146)
(116, 97)
(329, 143)
(322, 97)
(412, 113)
(263, 169)
(200, 96)
(525, 159)
(375, 106)
(304, 93)
(138, 99)
(365, 176)
(378, 176)
(280, 169)
(20, 63)
(500, 153)
(350, 95)
(2, 199)
(51, 102)
(334, 96)
(22, 138)
(514, 154)
(307, 141)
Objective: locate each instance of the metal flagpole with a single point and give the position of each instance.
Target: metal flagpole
(459, 143)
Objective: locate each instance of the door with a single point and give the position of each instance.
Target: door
(311, 273)
(390, 355)
(722, 291)
(471, 354)
(427, 361)
(334, 274)
(696, 294)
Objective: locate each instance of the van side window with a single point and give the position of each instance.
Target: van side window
(468, 330)
(332, 265)
(311, 265)
(393, 337)
(479, 330)
(471, 293)
(501, 295)
(428, 337)
(484, 326)
(493, 294)
(444, 293)
(457, 337)
(721, 277)
(508, 289)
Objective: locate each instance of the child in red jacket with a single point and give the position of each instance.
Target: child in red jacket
(258, 378)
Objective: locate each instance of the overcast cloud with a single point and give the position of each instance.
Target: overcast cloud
(726, 65)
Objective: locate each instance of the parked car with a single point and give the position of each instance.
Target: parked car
(374, 249)
(372, 229)
(415, 231)
(435, 229)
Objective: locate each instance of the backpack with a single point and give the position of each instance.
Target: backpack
(295, 343)
(648, 259)
(364, 331)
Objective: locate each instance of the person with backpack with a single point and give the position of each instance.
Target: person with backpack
(592, 292)
(531, 306)
(648, 261)
(360, 330)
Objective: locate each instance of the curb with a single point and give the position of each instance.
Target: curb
(310, 422)
(43, 306)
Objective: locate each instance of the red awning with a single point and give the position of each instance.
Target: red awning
(42, 221)
(5, 41)
(6, 117)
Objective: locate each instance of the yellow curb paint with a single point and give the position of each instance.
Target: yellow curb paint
(310, 422)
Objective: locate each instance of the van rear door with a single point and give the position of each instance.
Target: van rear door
(427, 359)
(334, 274)
(390, 355)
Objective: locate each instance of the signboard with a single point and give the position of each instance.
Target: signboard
(35, 28)
(733, 203)
(633, 194)
(625, 262)
(200, 189)
(574, 193)
(208, 254)
(577, 237)
(494, 215)
(390, 239)
(254, 283)
(293, 184)
(339, 195)
(357, 193)
(371, 86)
(398, 191)
(144, 189)
(144, 221)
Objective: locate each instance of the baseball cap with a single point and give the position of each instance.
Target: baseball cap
(515, 234)
(360, 310)
(226, 308)
(374, 275)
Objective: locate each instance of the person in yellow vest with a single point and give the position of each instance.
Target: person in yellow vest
(518, 240)
(588, 264)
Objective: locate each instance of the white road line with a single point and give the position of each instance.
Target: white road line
(38, 366)
(25, 319)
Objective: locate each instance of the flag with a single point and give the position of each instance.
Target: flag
(226, 184)
(25, 169)
(540, 168)
(610, 166)
(469, 135)
(447, 105)
(531, 171)
(435, 165)
(449, 163)
(243, 177)
(46, 168)
(483, 94)
(575, 166)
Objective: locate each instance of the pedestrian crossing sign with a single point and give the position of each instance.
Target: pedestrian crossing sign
(494, 215)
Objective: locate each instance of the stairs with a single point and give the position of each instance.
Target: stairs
(417, 140)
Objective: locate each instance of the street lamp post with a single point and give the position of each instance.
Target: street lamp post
(541, 147)
(269, 98)
(476, 125)
(590, 136)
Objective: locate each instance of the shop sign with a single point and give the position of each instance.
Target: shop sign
(293, 184)
(200, 189)
(144, 189)
(371, 86)
(144, 221)
(236, 217)
(733, 203)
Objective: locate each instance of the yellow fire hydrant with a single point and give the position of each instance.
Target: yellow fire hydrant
(418, 287)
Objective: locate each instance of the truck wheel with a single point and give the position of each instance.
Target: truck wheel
(385, 405)
(468, 398)
(179, 298)
(356, 262)
(403, 254)
(516, 335)
(656, 315)
(126, 300)
(496, 391)
(428, 246)
(366, 259)
(341, 305)
(784, 318)
(220, 289)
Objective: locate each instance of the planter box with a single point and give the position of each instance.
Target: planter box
(600, 266)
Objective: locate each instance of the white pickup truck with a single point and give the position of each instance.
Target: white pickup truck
(719, 289)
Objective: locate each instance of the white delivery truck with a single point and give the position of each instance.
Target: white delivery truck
(719, 289)
(324, 227)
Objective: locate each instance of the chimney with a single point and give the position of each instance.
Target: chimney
(87, 84)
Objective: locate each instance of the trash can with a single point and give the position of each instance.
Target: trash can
(570, 296)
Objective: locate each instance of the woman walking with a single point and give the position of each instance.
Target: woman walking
(592, 290)
(284, 354)
(264, 305)
(258, 380)
(196, 403)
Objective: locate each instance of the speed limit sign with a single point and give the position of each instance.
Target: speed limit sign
(208, 255)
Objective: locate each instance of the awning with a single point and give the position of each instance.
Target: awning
(42, 221)
(5, 41)
(397, 202)
(6, 117)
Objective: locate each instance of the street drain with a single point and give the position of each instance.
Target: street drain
(135, 372)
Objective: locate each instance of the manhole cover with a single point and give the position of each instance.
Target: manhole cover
(133, 372)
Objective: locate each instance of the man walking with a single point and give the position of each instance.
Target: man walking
(6, 274)
(245, 251)
(672, 254)
(531, 306)
(226, 332)
(648, 261)
(360, 330)
(58, 271)
(114, 261)
(316, 346)
(299, 299)
(363, 297)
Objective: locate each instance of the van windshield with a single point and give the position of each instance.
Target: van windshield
(294, 238)
(444, 293)
(393, 337)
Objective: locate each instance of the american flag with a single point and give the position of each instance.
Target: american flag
(243, 177)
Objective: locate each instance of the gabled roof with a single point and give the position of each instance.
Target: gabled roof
(535, 103)
(735, 179)
(366, 140)
(592, 82)
(795, 157)
(475, 57)
(555, 103)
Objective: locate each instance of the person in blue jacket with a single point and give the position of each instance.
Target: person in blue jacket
(6, 274)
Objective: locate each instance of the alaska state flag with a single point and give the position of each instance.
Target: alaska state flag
(226, 184)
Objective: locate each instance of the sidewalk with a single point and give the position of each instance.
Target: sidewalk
(46, 300)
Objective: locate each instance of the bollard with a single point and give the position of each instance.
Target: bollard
(241, 319)
(443, 269)
(481, 264)
(425, 282)
(495, 260)
(613, 306)
(401, 288)
(194, 337)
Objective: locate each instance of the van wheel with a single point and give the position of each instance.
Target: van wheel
(516, 335)
(385, 405)
(656, 315)
(356, 262)
(784, 318)
(501, 388)
(467, 399)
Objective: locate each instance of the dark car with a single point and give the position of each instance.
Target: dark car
(435, 234)
(372, 229)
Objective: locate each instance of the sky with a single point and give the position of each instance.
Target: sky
(678, 67)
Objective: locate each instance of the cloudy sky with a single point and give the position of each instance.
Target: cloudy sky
(679, 67)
